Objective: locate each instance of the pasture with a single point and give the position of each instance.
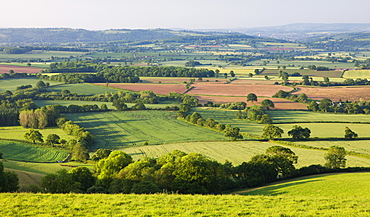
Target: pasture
(325, 185)
(237, 152)
(164, 89)
(25, 204)
(359, 146)
(33, 153)
(12, 84)
(83, 88)
(117, 130)
(18, 69)
(357, 74)
(352, 93)
(39, 54)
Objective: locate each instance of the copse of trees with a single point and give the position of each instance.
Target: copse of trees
(9, 181)
(254, 113)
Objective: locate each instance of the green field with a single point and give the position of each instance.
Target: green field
(284, 116)
(357, 74)
(85, 88)
(42, 103)
(25, 204)
(338, 185)
(26, 152)
(38, 54)
(237, 152)
(17, 132)
(359, 146)
(12, 84)
(123, 129)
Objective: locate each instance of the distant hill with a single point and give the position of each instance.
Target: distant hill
(301, 31)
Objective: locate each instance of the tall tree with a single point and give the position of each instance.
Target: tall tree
(349, 134)
(299, 133)
(267, 104)
(252, 97)
(33, 136)
(335, 158)
(270, 132)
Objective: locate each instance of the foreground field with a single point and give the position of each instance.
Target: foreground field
(327, 185)
(237, 152)
(123, 129)
(22, 204)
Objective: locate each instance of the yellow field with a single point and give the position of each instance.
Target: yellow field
(357, 74)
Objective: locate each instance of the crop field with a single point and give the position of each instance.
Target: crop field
(85, 88)
(359, 146)
(128, 128)
(236, 152)
(42, 168)
(280, 104)
(235, 89)
(350, 185)
(254, 81)
(18, 69)
(177, 80)
(17, 132)
(12, 84)
(40, 65)
(309, 116)
(27, 178)
(42, 103)
(25, 204)
(330, 74)
(26, 152)
(357, 74)
(354, 93)
(164, 89)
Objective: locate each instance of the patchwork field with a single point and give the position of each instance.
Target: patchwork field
(280, 104)
(18, 69)
(85, 88)
(357, 74)
(235, 89)
(26, 152)
(23, 204)
(123, 129)
(354, 93)
(330, 74)
(327, 185)
(12, 84)
(164, 89)
(236, 152)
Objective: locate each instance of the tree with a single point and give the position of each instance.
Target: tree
(101, 154)
(52, 139)
(80, 152)
(270, 132)
(349, 134)
(139, 106)
(59, 182)
(119, 104)
(267, 104)
(325, 104)
(232, 132)
(33, 135)
(40, 85)
(232, 74)
(83, 176)
(9, 181)
(335, 158)
(299, 133)
(252, 97)
(265, 119)
(109, 167)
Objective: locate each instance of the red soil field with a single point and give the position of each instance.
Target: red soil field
(206, 88)
(18, 69)
(280, 104)
(336, 93)
(164, 89)
(253, 82)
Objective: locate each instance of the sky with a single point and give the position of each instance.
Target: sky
(189, 14)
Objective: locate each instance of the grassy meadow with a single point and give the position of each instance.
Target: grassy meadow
(17, 132)
(24, 204)
(12, 84)
(84, 88)
(127, 128)
(357, 74)
(33, 153)
(237, 152)
(324, 185)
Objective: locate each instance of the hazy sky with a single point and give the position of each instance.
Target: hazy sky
(189, 14)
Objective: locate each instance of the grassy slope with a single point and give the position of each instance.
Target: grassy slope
(179, 205)
(237, 152)
(327, 185)
(123, 129)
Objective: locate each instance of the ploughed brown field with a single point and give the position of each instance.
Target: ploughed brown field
(164, 89)
(167, 80)
(18, 69)
(280, 104)
(206, 88)
(336, 93)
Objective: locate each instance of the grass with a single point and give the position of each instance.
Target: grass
(236, 152)
(12, 84)
(24, 204)
(357, 74)
(85, 88)
(340, 185)
(39, 55)
(17, 132)
(33, 153)
(284, 116)
(42, 168)
(359, 146)
(127, 128)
